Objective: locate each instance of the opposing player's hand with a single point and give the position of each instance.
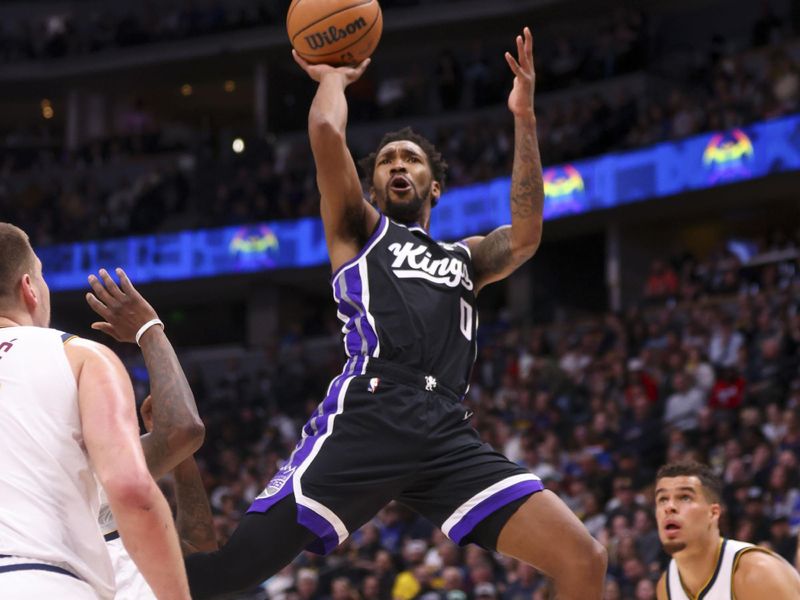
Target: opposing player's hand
(122, 308)
(317, 72)
(520, 100)
(146, 411)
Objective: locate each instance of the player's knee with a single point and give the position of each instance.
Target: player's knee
(595, 557)
(589, 558)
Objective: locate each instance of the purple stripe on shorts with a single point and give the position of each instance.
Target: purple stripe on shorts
(283, 481)
(491, 504)
(327, 540)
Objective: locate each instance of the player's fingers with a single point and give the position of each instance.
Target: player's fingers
(104, 327)
(111, 285)
(362, 66)
(513, 64)
(100, 291)
(520, 49)
(529, 47)
(124, 282)
(299, 60)
(97, 306)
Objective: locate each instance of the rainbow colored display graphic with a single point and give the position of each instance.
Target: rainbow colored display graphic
(729, 156)
(564, 191)
(254, 246)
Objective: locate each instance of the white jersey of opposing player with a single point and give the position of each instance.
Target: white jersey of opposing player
(48, 494)
(131, 584)
(720, 586)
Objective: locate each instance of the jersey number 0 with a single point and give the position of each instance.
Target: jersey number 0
(466, 319)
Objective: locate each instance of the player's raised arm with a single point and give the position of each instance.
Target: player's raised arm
(193, 519)
(348, 218)
(177, 431)
(498, 254)
(111, 435)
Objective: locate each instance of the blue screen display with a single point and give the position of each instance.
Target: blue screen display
(662, 170)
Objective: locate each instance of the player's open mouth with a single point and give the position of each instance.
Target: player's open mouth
(672, 527)
(399, 183)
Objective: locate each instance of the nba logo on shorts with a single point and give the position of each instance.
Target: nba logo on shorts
(373, 385)
(278, 481)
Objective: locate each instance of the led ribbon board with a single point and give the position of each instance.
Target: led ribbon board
(662, 170)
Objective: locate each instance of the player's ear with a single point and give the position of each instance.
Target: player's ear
(436, 192)
(716, 512)
(371, 195)
(28, 292)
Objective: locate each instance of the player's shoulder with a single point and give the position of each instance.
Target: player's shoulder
(758, 571)
(661, 587)
(80, 350)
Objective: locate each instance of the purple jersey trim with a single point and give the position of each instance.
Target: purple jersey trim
(491, 504)
(380, 228)
(348, 292)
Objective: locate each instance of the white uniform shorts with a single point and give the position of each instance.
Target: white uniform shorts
(131, 584)
(27, 579)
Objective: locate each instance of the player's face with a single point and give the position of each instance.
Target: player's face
(684, 513)
(402, 183)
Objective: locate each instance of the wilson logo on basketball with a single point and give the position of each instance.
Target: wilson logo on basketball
(319, 40)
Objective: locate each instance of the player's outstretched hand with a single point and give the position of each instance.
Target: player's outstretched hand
(520, 100)
(317, 72)
(146, 410)
(122, 308)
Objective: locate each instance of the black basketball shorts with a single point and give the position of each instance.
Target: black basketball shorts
(385, 433)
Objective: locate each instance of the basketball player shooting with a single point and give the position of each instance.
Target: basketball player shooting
(392, 425)
(704, 564)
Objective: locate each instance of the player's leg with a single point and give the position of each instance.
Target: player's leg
(262, 544)
(477, 495)
(545, 533)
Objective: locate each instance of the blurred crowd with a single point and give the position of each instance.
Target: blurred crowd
(138, 183)
(591, 406)
(84, 28)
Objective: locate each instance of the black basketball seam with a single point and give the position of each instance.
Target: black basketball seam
(341, 10)
(377, 16)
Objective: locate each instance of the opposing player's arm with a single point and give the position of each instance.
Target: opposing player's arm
(501, 252)
(111, 435)
(348, 218)
(761, 575)
(661, 588)
(193, 519)
(177, 431)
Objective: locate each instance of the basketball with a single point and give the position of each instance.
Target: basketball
(335, 32)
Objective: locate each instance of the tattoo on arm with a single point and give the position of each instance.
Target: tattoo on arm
(174, 409)
(527, 187)
(194, 521)
(506, 248)
(494, 255)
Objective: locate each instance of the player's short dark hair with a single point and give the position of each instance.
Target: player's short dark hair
(438, 164)
(712, 485)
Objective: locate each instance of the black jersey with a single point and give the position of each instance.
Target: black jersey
(410, 300)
